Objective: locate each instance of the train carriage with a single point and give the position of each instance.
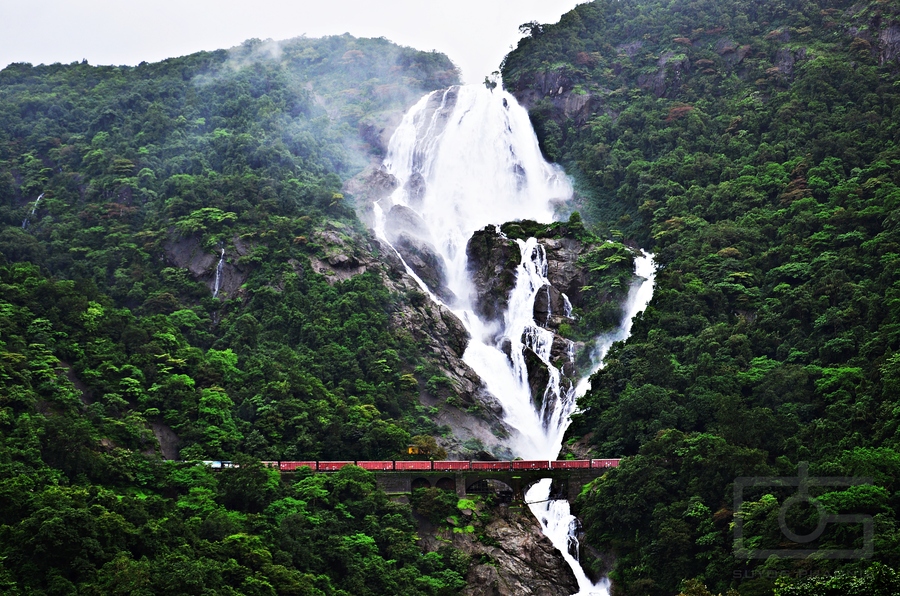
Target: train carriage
(528, 464)
(376, 466)
(412, 465)
(333, 466)
(450, 466)
(605, 463)
(290, 466)
(491, 465)
(570, 464)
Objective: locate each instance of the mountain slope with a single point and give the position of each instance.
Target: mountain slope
(182, 276)
(753, 147)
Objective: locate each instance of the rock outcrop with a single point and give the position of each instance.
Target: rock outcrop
(515, 558)
(559, 89)
(584, 273)
(492, 259)
(409, 235)
(463, 404)
(186, 253)
(369, 186)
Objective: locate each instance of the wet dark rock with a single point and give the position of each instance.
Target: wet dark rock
(492, 262)
(409, 235)
(563, 270)
(538, 376)
(549, 307)
(520, 560)
(415, 188)
(186, 253)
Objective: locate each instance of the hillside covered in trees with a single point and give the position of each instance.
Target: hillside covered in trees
(753, 147)
(182, 276)
(158, 229)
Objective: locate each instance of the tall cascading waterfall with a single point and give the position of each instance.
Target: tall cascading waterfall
(466, 158)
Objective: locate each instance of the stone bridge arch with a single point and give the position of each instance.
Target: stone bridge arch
(420, 482)
(446, 483)
(499, 489)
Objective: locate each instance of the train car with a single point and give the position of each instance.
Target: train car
(570, 464)
(527, 464)
(491, 465)
(449, 466)
(605, 463)
(333, 466)
(376, 466)
(290, 466)
(412, 465)
(270, 464)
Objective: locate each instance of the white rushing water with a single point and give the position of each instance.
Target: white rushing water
(33, 209)
(219, 267)
(466, 158)
(558, 523)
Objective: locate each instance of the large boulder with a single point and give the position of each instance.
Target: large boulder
(492, 261)
(563, 270)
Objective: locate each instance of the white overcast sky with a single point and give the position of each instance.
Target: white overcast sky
(475, 34)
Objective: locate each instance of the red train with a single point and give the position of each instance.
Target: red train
(441, 466)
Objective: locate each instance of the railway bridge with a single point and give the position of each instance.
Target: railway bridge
(508, 479)
(567, 483)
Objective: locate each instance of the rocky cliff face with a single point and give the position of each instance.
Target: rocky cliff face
(187, 253)
(512, 557)
(462, 403)
(409, 235)
(492, 259)
(575, 285)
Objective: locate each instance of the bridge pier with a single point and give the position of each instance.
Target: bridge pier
(461, 485)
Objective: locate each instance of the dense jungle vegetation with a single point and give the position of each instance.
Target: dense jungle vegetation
(754, 146)
(119, 187)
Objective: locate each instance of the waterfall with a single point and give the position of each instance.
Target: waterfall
(558, 524)
(466, 158)
(33, 209)
(217, 284)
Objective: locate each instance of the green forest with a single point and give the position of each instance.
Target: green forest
(754, 147)
(160, 230)
(114, 182)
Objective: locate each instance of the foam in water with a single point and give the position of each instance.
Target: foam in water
(466, 158)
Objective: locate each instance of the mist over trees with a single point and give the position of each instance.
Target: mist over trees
(109, 331)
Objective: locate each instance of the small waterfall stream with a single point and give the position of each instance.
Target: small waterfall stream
(33, 209)
(466, 158)
(219, 267)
